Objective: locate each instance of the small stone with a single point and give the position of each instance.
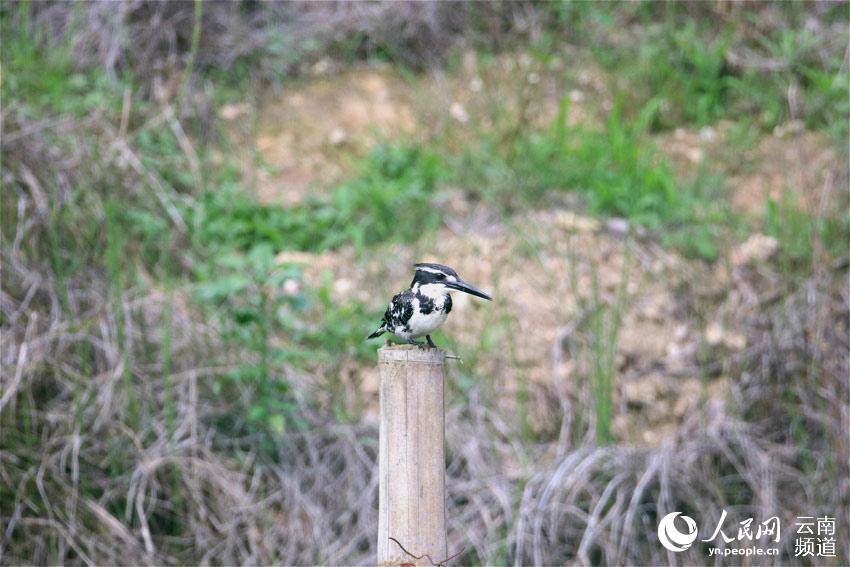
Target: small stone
(572, 222)
(757, 248)
(714, 333)
(654, 307)
(322, 66)
(621, 426)
(644, 391)
(707, 134)
(458, 112)
(294, 257)
(337, 137)
(694, 154)
(735, 341)
(342, 286)
(618, 226)
(681, 407)
(790, 128)
(674, 351)
(234, 111)
(649, 437)
(291, 287)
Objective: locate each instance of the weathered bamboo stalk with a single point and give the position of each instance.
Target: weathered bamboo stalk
(412, 467)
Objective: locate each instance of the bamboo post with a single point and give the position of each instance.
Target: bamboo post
(412, 466)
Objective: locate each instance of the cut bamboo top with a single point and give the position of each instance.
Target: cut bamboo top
(411, 353)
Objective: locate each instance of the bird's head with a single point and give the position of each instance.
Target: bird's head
(437, 279)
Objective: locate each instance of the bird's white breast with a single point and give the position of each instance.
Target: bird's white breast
(421, 324)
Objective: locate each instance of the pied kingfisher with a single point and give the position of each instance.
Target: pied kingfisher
(420, 310)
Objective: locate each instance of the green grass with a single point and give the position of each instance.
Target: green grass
(827, 103)
(685, 63)
(117, 272)
(40, 74)
(685, 72)
(389, 199)
(616, 169)
(805, 239)
(244, 293)
(605, 321)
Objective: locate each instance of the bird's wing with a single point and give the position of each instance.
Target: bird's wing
(400, 309)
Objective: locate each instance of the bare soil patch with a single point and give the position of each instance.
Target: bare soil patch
(802, 166)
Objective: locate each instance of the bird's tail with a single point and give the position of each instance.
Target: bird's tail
(381, 330)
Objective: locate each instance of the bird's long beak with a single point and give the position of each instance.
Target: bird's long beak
(467, 288)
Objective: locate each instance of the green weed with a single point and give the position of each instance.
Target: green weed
(246, 296)
(605, 322)
(705, 219)
(827, 104)
(801, 235)
(685, 72)
(193, 48)
(342, 328)
(390, 199)
(613, 168)
(616, 169)
(117, 272)
(40, 74)
(239, 280)
(685, 63)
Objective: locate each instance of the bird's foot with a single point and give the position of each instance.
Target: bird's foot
(428, 343)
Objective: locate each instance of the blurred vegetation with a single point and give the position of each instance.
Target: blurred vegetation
(735, 66)
(137, 258)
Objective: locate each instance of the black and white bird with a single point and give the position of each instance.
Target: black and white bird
(420, 310)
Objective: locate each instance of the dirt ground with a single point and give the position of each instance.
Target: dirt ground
(683, 321)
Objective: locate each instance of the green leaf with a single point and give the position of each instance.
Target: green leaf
(222, 288)
(277, 423)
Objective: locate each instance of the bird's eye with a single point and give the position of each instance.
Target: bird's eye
(441, 276)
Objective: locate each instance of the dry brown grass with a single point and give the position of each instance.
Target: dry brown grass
(562, 503)
(154, 38)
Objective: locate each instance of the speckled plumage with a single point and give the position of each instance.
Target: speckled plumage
(412, 314)
(422, 309)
